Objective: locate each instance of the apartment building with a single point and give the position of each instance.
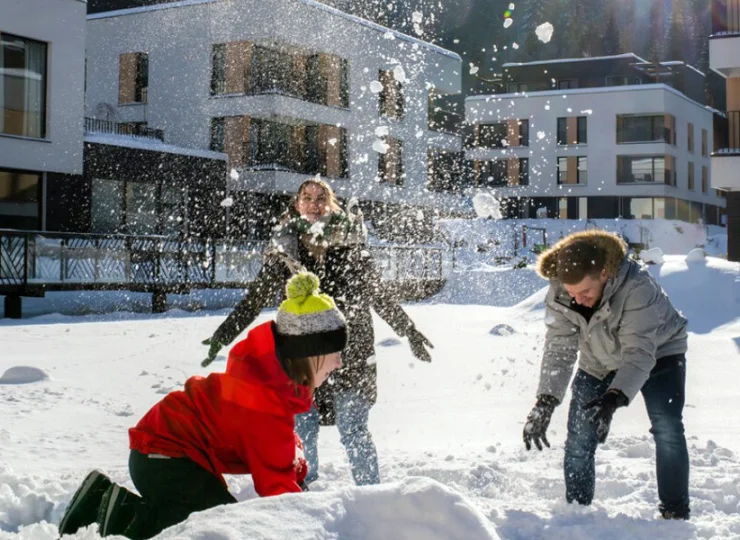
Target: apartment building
(42, 67)
(600, 137)
(286, 89)
(724, 45)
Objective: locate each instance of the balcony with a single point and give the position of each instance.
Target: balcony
(726, 158)
(130, 129)
(725, 39)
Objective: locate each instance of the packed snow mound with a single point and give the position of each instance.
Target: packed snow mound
(413, 508)
(696, 255)
(23, 375)
(652, 255)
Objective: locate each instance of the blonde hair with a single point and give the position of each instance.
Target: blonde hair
(328, 191)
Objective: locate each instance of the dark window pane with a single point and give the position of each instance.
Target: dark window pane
(22, 86)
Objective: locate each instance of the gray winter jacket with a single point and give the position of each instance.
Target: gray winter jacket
(634, 324)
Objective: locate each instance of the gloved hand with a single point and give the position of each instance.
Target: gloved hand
(300, 464)
(535, 428)
(215, 346)
(603, 411)
(417, 342)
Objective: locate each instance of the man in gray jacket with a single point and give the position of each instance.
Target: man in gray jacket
(609, 308)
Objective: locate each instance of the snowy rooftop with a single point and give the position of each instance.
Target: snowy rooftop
(311, 3)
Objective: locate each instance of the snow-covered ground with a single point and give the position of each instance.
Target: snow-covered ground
(448, 433)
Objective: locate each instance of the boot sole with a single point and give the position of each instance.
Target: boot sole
(78, 497)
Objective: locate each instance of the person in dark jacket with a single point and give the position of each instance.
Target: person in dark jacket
(238, 422)
(607, 307)
(318, 235)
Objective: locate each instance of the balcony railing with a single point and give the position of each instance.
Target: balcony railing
(96, 125)
(725, 17)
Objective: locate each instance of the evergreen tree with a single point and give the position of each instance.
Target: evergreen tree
(612, 40)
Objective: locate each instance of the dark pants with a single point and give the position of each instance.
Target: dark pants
(664, 394)
(171, 490)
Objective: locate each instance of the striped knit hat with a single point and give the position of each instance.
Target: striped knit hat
(308, 322)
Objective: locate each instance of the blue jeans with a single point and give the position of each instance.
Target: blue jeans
(664, 394)
(352, 414)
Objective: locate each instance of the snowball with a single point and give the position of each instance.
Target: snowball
(508, 22)
(376, 87)
(399, 74)
(587, 111)
(228, 202)
(540, 135)
(419, 134)
(416, 17)
(514, 45)
(380, 147)
(389, 35)
(544, 32)
(652, 256)
(473, 69)
(511, 6)
(332, 141)
(486, 205)
(696, 255)
(381, 131)
(234, 175)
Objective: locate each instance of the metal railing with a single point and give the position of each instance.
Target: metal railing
(725, 17)
(96, 125)
(31, 259)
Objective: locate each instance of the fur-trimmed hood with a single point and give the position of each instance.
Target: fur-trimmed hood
(616, 251)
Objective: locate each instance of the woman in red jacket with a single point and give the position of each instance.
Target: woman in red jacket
(237, 422)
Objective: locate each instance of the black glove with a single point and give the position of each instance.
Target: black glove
(535, 428)
(417, 342)
(215, 346)
(603, 410)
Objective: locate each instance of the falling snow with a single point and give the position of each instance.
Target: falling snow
(540, 135)
(380, 146)
(228, 202)
(399, 74)
(376, 87)
(508, 22)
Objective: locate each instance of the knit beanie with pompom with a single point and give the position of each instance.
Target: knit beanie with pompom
(308, 322)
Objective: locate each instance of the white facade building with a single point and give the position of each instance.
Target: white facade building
(42, 72)
(603, 143)
(287, 89)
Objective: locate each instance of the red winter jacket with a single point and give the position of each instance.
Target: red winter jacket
(238, 422)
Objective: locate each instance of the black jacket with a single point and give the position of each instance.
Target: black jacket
(349, 275)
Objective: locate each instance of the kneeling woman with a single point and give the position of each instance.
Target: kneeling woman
(238, 422)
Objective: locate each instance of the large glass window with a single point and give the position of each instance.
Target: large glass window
(391, 97)
(573, 170)
(19, 199)
(390, 163)
(646, 128)
(572, 130)
(22, 86)
(107, 206)
(644, 169)
(493, 135)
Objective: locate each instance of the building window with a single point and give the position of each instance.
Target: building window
(642, 129)
(391, 99)
(572, 130)
(691, 176)
(690, 134)
(646, 169)
(133, 78)
(704, 143)
(218, 134)
(502, 134)
(22, 86)
(704, 180)
(446, 171)
(390, 163)
(573, 170)
(19, 199)
(516, 88)
(502, 172)
(637, 208)
(231, 67)
(617, 80)
(565, 84)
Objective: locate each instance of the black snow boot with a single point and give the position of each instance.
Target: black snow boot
(83, 508)
(675, 513)
(117, 510)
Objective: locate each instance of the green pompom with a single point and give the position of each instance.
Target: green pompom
(302, 285)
